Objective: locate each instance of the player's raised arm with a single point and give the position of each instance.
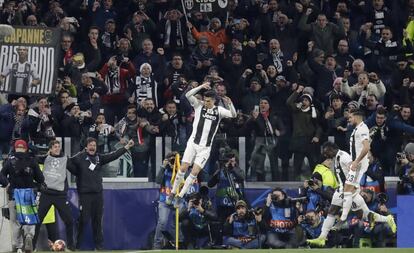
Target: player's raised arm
(231, 113)
(190, 94)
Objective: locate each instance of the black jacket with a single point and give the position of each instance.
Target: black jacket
(89, 179)
(22, 170)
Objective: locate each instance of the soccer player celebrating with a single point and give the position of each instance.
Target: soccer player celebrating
(341, 166)
(206, 122)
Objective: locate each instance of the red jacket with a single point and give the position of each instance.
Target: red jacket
(124, 75)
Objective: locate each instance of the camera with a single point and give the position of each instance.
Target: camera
(225, 154)
(311, 182)
(382, 198)
(401, 156)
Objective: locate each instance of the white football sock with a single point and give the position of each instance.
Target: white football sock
(346, 206)
(177, 181)
(188, 182)
(327, 225)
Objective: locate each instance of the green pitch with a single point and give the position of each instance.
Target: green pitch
(363, 250)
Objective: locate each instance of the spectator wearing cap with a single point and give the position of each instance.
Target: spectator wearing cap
(102, 11)
(242, 31)
(75, 123)
(325, 70)
(116, 73)
(22, 172)
(215, 34)
(267, 128)
(40, 123)
(251, 94)
(109, 39)
(306, 130)
(173, 32)
(323, 33)
(334, 118)
(232, 68)
(140, 28)
(145, 86)
(367, 84)
(203, 58)
(155, 59)
(245, 229)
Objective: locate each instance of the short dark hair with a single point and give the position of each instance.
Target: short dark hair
(53, 142)
(170, 102)
(132, 106)
(94, 27)
(330, 147)
(357, 112)
(91, 139)
(210, 94)
(382, 111)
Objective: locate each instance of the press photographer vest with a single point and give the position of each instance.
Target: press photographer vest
(244, 227)
(223, 191)
(282, 219)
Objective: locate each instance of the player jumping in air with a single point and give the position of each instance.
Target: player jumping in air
(206, 122)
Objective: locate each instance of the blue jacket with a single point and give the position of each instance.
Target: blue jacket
(7, 122)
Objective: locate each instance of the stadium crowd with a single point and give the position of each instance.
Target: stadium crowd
(293, 69)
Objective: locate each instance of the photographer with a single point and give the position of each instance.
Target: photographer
(317, 194)
(311, 223)
(164, 178)
(405, 161)
(197, 219)
(378, 231)
(229, 180)
(244, 228)
(373, 178)
(406, 185)
(280, 215)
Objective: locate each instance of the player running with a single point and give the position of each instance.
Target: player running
(206, 122)
(341, 163)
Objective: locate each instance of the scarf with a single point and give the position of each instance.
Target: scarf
(146, 87)
(178, 33)
(308, 109)
(269, 133)
(277, 60)
(112, 81)
(68, 56)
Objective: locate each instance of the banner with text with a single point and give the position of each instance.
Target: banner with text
(205, 5)
(28, 61)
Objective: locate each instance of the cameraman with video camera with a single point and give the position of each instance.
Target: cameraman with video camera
(229, 180)
(405, 163)
(198, 219)
(280, 215)
(244, 228)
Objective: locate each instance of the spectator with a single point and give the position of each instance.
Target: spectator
(373, 179)
(216, 35)
(109, 39)
(116, 73)
(91, 50)
(145, 86)
(367, 84)
(267, 128)
(101, 12)
(306, 130)
(173, 32)
(89, 92)
(203, 58)
(155, 59)
(40, 122)
(103, 133)
(323, 33)
(140, 28)
(343, 58)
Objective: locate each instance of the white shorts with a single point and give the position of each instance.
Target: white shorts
(358, 176)
(338, 198)
(196, 154)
